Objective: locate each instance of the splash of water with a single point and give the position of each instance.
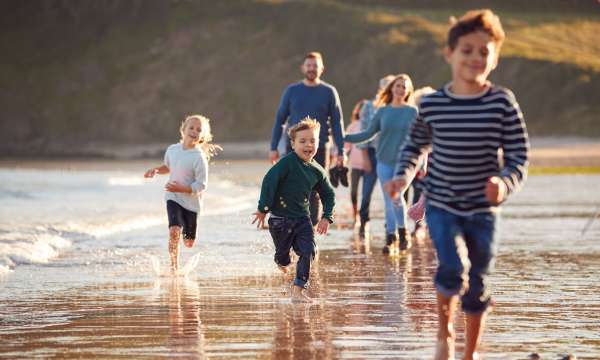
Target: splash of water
(184, 271)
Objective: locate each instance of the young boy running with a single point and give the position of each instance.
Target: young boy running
(467, 124)
(285, 192)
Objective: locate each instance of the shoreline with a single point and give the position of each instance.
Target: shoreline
(547, 153)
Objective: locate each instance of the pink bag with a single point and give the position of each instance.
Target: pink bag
(417, 211)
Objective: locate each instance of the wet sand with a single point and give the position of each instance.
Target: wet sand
(368, 306)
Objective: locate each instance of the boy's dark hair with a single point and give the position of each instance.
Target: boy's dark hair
(476, 20)
(304, 124)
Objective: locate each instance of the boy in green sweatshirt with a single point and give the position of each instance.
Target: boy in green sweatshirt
(285, 193)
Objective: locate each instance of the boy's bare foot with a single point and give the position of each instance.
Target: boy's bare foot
(188, 242)
(444, 349)
(283, 269)
(298, 295)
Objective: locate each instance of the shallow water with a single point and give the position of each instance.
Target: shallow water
(78, 245)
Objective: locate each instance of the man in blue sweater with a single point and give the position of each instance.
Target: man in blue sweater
(318, 100)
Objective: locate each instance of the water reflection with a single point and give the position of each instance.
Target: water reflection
(361, 244)
(186, 335)
(300, 332)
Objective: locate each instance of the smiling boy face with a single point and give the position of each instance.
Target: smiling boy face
(306, 143)
(473, 58)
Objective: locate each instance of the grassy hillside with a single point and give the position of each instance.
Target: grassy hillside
(122, 71)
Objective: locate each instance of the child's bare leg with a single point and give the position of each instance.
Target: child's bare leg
(174, 236)
(474, 326)
(355, 218)
(445, 336)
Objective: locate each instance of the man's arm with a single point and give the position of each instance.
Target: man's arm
(280, 118)
(337, 121)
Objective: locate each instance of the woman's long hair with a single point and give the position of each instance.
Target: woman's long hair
(385, 97)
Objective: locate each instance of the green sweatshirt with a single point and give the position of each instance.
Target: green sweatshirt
(287, 186)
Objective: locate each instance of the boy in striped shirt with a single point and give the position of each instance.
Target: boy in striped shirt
(479, 155)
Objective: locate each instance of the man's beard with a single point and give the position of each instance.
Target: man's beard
(310, 76)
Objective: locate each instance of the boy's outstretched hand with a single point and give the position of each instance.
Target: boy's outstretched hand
(260, 217)
(150, 173)
(495, 190)
(322, 226)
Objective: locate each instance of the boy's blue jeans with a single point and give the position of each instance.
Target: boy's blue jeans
(395, 210)
(298, 234)
(466, 250)
(369, 182)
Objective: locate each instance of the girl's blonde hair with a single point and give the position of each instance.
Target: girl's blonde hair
(206, 136)
(385, 96)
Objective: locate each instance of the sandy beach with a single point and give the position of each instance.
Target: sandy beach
(545, 152)
(99, 296)
(565, 152)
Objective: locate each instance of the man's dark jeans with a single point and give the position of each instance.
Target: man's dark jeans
(298, 234)
(369, 182)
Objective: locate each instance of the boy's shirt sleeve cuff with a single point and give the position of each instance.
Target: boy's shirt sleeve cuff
(263, 208)
(330, 219)
(508, 186)
(197, 188)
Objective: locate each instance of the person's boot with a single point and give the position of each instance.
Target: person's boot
(404, 237)
(334, 177)
(390, 243)
(343, 176)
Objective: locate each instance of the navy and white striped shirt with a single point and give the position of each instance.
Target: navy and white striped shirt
(469, 138)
